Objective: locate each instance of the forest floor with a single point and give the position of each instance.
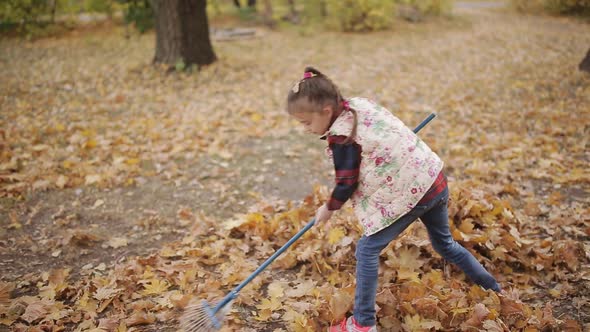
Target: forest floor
(105, 158)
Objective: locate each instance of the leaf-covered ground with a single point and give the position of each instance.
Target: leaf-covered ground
(127, 190)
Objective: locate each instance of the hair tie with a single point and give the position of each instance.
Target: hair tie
(308, 74)
(346, 104)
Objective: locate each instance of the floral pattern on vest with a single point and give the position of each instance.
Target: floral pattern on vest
(397, 167)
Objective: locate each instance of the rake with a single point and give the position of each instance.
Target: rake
(202, 317)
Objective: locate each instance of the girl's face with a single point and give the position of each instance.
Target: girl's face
(315, 122)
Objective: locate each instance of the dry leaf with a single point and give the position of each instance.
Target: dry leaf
(140, 318)
(117, 242)
(301, 289)
(155, 286)
(35, 310)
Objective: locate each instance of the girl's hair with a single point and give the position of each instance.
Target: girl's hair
(319, 90)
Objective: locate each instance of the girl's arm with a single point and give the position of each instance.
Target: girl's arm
(347, 161)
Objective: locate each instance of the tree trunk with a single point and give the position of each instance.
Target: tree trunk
(182, 32)
(293, 15)
(53, 5)
(323, 8)
(292, 9)
(267, 16)
(251, 4)
(585, 64)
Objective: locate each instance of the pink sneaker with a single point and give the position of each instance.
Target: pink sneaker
(350, 325)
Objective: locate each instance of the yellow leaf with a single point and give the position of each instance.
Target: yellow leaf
(105, 293)
(256, 117)
(67, 164)
(291, 315)
(168, 252)
(555, 292)
(271, 304)
(132, 161)
(412, 323)
(264, 315)
(300, 290)
(60, 127)
(335, 235)
(250, 218)
(460, 310)
(434, 277)
(408, 258)
(15, 225)
(87, 304)
(117, 242)
(275, 290)
(88, 133)
(61, 181)
(416, 323)
(91, 143)
(58, 277)
(235, 222)
(91, 179)
(466, 226)
(47, 292)
(155, 286)
(404, 274)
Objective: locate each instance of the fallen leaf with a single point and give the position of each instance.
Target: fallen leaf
(118, 242)
(34, 312)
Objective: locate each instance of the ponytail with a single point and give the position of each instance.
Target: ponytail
(314, 71)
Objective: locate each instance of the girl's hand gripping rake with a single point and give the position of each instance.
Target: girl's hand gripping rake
(202, 317)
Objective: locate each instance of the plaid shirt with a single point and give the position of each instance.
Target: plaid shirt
(347, 162)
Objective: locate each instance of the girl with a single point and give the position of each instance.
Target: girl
(391, 177)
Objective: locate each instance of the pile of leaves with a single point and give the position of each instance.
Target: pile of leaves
(312, 284)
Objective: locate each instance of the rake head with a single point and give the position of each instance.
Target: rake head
(201, 317)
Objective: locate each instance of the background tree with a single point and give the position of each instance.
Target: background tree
(251, 3)
(182, 33)
(585, 64)
(267, 14)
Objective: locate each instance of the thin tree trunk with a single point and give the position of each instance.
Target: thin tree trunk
(53, 10)
(585, 64)
(268, 20)
(293, 16)
(323, 8)
(292, 9)
(182, 32)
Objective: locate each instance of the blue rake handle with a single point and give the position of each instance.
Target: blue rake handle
(234, 293)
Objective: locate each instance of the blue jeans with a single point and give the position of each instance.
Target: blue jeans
(435, 217)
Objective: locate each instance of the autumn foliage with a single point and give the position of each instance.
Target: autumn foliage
(313, 283)
(87, 115)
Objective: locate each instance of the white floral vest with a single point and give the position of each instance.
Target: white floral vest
(397, 167)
